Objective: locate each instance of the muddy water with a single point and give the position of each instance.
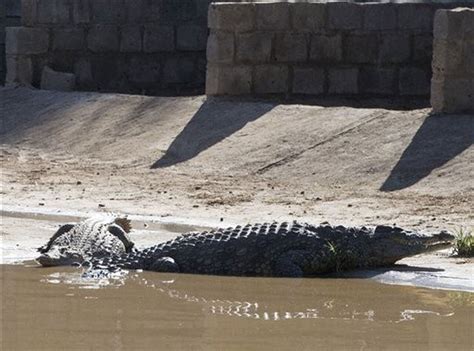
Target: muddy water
(57, 309)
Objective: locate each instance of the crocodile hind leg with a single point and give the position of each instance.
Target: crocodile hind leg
(164, 264)
(291, 264)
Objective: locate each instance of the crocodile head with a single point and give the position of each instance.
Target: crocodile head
(392, 244)
(60, 256)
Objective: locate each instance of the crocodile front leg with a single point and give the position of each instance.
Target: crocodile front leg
(165, 265)
(291, 264)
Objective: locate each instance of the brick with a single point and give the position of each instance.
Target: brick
(29, 12)
(291, 47)
(326, 48)
(342, 15)
(54, 11)
(273, 16)
(423, 48)
(378, 81)
(108, 11)
(81, 11)
(416, 16)
(220, 47)
(191, 37)
(228, 80)
(343, 80)
(308, 81)
(271, 79)
(232, 17)
(361, 49)
(68, 39)
(308, 17)
(394, 48)
(414, 81)
(19, 70)
(380, 16)
(179, 70)
(254, 47)
(144, 70)
(26, 41)
(59, 81)
(103, 38)
(131, 39)
(158, 38)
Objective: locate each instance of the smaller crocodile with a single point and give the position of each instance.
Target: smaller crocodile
(92, 238)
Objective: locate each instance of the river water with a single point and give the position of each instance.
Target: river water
(54, 309)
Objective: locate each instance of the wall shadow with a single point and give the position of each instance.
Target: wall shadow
(439, 139)
(213, 122)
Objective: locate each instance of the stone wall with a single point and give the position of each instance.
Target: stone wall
(134, 46)
(349, 49)
(452, 87)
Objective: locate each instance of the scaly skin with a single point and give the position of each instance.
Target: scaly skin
(277, 250)
(73, 244)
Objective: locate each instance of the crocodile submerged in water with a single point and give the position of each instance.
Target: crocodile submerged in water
(276, 250)
(92, 238)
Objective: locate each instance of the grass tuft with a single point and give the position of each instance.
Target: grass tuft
(464, 244)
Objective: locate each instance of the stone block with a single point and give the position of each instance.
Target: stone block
(26, 41)
(452, 96)
(416, 17)
(233, 17)
(137, 10)
(343, 80)
(377, 81)
(131, 39)
(380, 16)
(423, 48)
(308, 17)
(108, 11)
(173, 11)
(54, 11)
(81, 11)
(144, 70)
(29, 12)
(179, 70)
(414, 81)
(394, 48)
(191, 37)
(254, 47)
(59, 81)
(343, 15)
(158, 38)
(19, 70)
(271, 79)
(228, 80)
(450, 24)
(326, 48)
(68, 39)
(273, 16)
(448, 59)
(220, 47)
(361, 48)
(308, 81)
(83, 73)
(291, 47)
(103, 38)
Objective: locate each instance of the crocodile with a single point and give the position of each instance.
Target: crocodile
(72, 244)
(276, 250)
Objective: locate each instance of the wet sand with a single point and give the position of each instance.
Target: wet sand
(54, 309)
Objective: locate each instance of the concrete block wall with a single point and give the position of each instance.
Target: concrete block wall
(132, 46)
(340, 48)
(452, 86)
(10, 15)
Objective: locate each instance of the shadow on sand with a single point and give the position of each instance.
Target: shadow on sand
(212, 123)
(440, 139)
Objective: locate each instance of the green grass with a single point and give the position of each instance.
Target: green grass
(464, 244)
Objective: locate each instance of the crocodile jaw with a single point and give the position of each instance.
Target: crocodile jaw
(55, 258)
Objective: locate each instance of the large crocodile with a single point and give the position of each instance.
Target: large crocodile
(279, 250)
(98, 237)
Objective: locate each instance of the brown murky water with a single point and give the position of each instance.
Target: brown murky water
(56, 309)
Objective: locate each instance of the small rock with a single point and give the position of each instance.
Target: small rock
(197, 188)
(78, 182)
(101, 205)
(195, 206)
(222, 219)
(41, 204)
(145, 225)
(349, 205)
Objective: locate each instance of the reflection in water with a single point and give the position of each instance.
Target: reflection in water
(142, 310)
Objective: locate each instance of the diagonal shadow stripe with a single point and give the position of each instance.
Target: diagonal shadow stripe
(439, 139)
